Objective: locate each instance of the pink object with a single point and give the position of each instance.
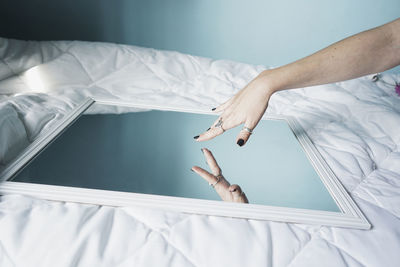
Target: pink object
(397, 88)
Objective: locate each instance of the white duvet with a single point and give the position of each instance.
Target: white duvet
(354, 124)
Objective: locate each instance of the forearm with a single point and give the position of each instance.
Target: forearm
(368, 52)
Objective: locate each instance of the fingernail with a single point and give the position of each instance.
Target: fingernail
(240, 142)
(192, 170)
(197, 136)
(208, 129)
(202, 150)
(234, 190)
(213, 109)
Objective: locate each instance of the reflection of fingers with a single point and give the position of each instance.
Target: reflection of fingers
(211, 179)
(212, 163)
(220, 184)
(235, 189)
(237, 194)
(243, 198)
(221, 187)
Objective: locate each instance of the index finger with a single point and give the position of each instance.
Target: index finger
(226, 122)
(210, 134)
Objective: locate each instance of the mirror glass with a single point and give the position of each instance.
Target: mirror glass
(152, 152)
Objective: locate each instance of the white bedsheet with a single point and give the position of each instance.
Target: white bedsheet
(354, 124)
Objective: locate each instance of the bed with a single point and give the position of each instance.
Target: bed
(355, 125)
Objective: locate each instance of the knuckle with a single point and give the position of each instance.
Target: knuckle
(237, 189)
(233, 187)
(218, 171)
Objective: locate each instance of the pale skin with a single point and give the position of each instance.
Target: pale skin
(227, 192)
(368, 52)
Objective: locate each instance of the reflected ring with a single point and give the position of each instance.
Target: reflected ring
(218, 177)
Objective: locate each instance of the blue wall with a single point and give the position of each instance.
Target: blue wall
(254, 31)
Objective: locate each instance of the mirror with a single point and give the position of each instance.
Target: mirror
(152, 152)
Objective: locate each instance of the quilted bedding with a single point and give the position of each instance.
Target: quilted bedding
(354, 124)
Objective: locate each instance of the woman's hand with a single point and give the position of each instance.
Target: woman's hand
(247, 106)
(372, 51)
(227, 192)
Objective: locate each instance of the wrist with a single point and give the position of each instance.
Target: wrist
(266, 79)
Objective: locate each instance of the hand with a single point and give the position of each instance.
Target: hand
(227, 192)
(247, 106)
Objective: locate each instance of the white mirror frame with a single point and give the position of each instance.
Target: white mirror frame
(351, 216)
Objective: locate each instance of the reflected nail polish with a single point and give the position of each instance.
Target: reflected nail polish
(197, 136)
(213, 109)
(240, 142)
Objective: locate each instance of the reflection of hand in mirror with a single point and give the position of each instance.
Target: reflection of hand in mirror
(227, 192)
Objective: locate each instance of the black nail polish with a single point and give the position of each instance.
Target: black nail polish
(240, 142)
(197, 136)
(192, 170)
(213, 109)
(208, 129)
(202, 150)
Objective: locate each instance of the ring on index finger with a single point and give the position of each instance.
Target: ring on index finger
(218, 177)
(219, 124)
